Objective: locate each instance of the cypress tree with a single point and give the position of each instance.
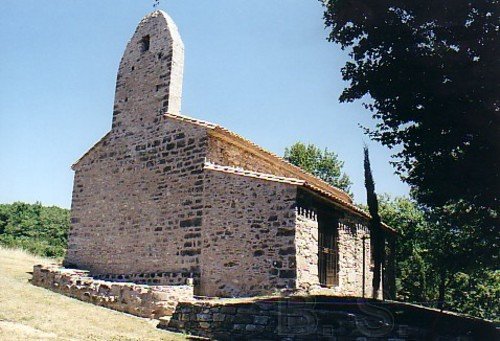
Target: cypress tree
(375, 224)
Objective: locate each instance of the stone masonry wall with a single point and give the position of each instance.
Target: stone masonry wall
(137, 202)
(306, 241)
(149, 80)
(248, 237)
(140, 300)
(352, 233)
(352, 230)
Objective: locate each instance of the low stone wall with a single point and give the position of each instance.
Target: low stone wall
(323, 318)
(136, 299)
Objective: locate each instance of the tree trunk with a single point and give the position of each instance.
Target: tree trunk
(389, 280)
(442, 290)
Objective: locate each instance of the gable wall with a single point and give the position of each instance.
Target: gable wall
(137, 202)
(248, 236)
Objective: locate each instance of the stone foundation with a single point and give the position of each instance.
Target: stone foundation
(135, 299)
(153, 278)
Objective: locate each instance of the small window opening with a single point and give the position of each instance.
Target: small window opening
(144, 43)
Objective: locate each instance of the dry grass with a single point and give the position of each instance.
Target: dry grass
(32, 313)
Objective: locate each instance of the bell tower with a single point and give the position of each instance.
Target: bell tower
(149, 80)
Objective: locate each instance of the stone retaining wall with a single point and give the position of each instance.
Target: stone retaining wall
(140, 300)
(323, 318)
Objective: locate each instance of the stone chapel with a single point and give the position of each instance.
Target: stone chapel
(164, 197)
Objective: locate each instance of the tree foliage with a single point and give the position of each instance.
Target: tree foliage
(38, 229)
(321, 163)
(431, 70)
(437, 266)
(403, 214)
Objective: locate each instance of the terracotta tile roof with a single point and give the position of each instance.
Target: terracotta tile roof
(250, 174)
(271, 156)
(183, 118)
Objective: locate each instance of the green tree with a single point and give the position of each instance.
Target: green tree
(411, 267)
(476, 294)
(430, 69)
(457, 243)
(38, 229)
(377, 240)
(321, 163)
(437, 263)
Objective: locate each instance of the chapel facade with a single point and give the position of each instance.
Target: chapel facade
(163, 198)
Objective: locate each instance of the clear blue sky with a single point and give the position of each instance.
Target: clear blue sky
(261, 68)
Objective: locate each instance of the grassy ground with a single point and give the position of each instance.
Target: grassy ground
(32, 313)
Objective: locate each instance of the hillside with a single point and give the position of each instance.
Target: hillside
(32, 313)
